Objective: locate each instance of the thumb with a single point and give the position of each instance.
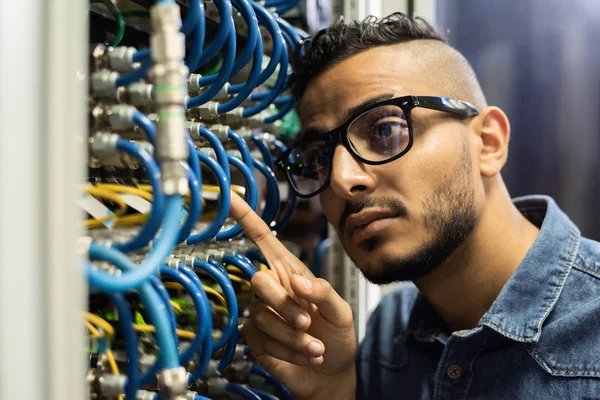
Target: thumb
(318, 291)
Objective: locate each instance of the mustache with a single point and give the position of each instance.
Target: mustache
(388, 203)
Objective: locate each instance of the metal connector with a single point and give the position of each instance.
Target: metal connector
(233, 117)
(173, 383)
(207, 111)
(100, 54)
(167, 42)
(104, 144)
(193, 82)
(140, 94)
(121, 58)
(216, 386)
(104, 84)
(209, 151)
(221, 131)
(145, 395)
(120, 116)
(174, 178)
(235, 153)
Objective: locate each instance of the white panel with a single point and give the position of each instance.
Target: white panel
(42, 100)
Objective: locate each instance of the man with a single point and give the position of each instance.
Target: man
(403, 150)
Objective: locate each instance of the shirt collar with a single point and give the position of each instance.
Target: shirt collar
(532, 291)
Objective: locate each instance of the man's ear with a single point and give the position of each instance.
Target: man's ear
(493, 129)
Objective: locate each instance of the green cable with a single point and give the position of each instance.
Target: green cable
(217, 67)
(118, 17)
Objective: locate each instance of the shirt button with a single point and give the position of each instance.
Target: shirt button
(454, 371)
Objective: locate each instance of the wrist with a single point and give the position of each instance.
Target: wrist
(338, 387)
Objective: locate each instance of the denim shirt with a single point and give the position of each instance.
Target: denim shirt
(540, 339)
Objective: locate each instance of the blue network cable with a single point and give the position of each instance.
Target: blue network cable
(320, 257)
(242, 146)
(274, 92)
(134, 75)
(251, 196)
(192, 18)
(217, 146)
(207, 345)
(287, 7)
(222, 76)
(224, 7)
(242, 265)
(269, 23)
(149, 229)
(229, 334)
(195, 207)
(131, 343)
(257, 256)
(149, 128)
(282, 111)
(161, 290)
(136, 275)
(292, 200)
(224, 200)
(193, 159)
(240, 390)
(203, 322)
(273, 197)
(243, 6)
(250, 84)
(282, 391)
(199, 36)
(264, 150)
(153, 304)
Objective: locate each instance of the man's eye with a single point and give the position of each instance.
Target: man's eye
(386, 128)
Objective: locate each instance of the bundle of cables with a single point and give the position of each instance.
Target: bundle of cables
(169, 272)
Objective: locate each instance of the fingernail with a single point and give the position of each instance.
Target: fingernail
(315, 348)
(302, 321)
(305, 282)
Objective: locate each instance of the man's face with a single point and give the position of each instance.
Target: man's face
(400, 220)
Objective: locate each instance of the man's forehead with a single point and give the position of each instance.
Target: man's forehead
(366, 75)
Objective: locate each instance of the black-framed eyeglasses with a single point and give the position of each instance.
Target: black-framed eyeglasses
(381, 134)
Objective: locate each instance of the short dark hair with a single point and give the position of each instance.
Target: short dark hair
(343, 40)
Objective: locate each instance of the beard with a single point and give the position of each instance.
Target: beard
(449, 214)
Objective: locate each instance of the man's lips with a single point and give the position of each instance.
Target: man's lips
(368, 222)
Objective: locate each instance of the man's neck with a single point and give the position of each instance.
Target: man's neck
(464, 287)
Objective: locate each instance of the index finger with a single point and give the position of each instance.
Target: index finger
(255, 228)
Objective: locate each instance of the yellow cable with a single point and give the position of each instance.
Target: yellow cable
(218, 295)
(95, 332)
(221, 309)
(263, 267)
(176, 307)
(173, 285)
(150, 329)
(108, 195)
(245, 285)
(127, 189)
(100, 322)
(113, 366)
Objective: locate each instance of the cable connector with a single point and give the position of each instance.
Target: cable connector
(232, 118)
(139, 94)
(104, 144)
(220, 131)
(107, 385)
(207, 111)
(216, 386)
(145, 395)
(104, 84)
(235, 153)
(121, 58)
(194, 87)
(173, 383)
(120, 116)
(208, 151)
(167, 42)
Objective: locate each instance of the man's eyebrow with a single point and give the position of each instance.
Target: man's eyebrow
(365, 105)
(310, 133)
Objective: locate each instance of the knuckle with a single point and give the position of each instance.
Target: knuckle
(293, 356)
(261, 234)
(260, 278)
(293, 339)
